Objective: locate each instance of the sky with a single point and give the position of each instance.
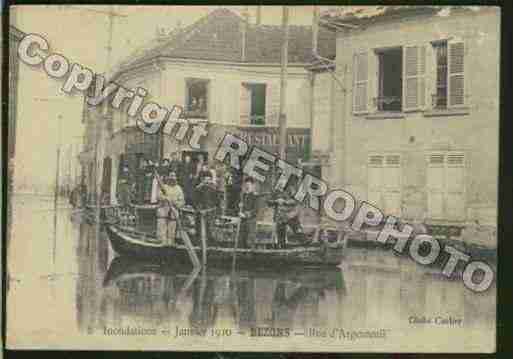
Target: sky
(80, 34)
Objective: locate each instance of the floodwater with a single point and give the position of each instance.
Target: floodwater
(67, 289)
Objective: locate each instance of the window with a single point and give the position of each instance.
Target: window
(450, 84)
(197, 98)
(253, 104)
(440, 95)
(390, 81)
(395, 79)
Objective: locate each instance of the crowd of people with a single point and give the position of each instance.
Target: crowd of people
(213, 189)
(209, 190)
(220, 190)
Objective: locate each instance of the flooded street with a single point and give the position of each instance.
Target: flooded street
(66, 281)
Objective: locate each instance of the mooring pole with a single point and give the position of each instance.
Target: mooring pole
(203, 239)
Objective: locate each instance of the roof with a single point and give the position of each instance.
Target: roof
(366, 15)
(218, 37)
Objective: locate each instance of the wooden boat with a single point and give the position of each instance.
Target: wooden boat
(131, 243)
(108, 214)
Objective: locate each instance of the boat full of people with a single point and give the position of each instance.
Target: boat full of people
(188, 216)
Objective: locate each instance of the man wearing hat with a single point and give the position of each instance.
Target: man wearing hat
(206, 197)
(170, 193)
(125, 193)
(286, 215)
(248, 212)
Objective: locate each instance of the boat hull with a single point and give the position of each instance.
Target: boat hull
(125, 244)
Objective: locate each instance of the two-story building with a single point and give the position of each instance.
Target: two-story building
(225, 72)
(416, 125)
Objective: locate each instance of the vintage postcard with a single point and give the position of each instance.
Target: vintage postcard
(253, 178)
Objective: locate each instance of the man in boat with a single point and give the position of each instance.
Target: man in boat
(232, 188)
(286, 215)
(205, 193)
(248, 212)
(206, 197)
(83, 195)
(220, 171)
(125, 193)
(174, 164)
(170, 194)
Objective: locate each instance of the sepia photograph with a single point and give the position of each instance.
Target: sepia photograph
(252, 178)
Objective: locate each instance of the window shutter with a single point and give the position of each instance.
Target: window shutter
(456, 80)
(392, 184)
(372, 84)
(245, 104)
(361, 75)
(455, 186)
(272, 103)
(375, 180)
(414, 82)
(375, 161)
(430, 76)
(422, 76)
(393, 161)
(436, 185)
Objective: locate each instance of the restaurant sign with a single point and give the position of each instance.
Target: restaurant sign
(267, 138)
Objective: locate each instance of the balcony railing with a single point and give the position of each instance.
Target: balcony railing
(194, 112)
(438, 102)
(254, 120)
(387, 103)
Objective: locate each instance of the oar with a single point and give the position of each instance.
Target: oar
(236, 244)
(189, 281)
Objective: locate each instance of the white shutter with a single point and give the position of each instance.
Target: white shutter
(361, 75)
(414, 83)
(375, 180)
(430, 76)
(446, 186)
(245, 104)
(373, 82)
(456, 71)
(272, 103)
(392, 184)
(436, 185)
(422, 76)
(455, 186)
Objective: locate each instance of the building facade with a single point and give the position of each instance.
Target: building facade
(416, 127)
(225, 73)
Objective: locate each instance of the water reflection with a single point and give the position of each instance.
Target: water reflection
(155, 296)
